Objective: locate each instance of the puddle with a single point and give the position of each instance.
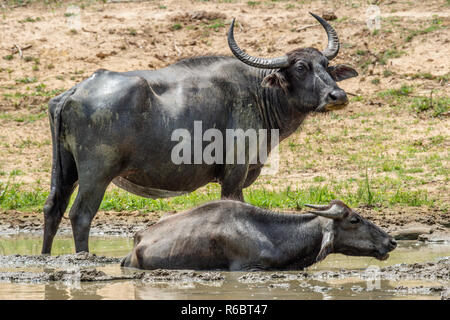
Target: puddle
(337, 277)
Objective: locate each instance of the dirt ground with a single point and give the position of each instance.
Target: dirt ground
(62, 44)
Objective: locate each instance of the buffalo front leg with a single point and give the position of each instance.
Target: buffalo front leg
(252, 175)
(83, 211)
(233, 182)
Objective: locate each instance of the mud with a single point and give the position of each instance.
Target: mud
(439, 270)
(445, 295)
(177, 278)
(430, 272)
(89, 276)
(71, 275)
(82, 259)
(79, 264)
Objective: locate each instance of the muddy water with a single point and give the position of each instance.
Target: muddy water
(32, 245)
(223, 285)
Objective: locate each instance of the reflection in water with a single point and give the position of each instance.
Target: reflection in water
(230, 289)
(262, 286)
(122, 290)
(26, 244)
(52, 292)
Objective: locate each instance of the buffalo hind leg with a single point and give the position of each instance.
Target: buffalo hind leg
(61, 189)
(87, 202)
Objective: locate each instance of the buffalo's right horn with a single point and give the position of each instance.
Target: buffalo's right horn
(333, 212)
(274, 63)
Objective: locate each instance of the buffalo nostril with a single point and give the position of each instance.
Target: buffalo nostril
(393, 243)
(338, 96)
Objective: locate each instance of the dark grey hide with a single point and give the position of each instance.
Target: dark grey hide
(117, 127)
(231, 235)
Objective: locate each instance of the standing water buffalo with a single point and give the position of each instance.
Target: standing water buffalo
(231, 235)
(117, 127)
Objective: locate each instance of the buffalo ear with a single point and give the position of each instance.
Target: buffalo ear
(275, 80)
(341, 72)
(327, 242)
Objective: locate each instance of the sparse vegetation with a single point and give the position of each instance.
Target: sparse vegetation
(386, 149)
(438, 105)
(216, 24)
(12, 197)
(402, 97)
(253, 3)
(27, 80)
(436, 24)
(30, 19)
(28, 117)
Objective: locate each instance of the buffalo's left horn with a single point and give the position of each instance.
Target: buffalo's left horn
(274, 63)
(334, 212)
(333, 41)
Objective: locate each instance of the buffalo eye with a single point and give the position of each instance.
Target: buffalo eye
(354, 219)
(302, 67)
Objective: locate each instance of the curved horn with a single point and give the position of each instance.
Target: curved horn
(333, 41)
(275, 63)
(318, 207)
(335, 212)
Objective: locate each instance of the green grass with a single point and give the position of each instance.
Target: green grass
(365, 59)
(424, 75)
(30, 19)
(387, 73)
(13, 197)
(393, 53)
(436, 24)
(404, 90)
(253, 3)
(27, 117)
(216, 24)
(40, 90)
(435, 106)
(27, 80)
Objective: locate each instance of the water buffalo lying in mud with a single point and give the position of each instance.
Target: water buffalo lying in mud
(232, 235)
(118, 126)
